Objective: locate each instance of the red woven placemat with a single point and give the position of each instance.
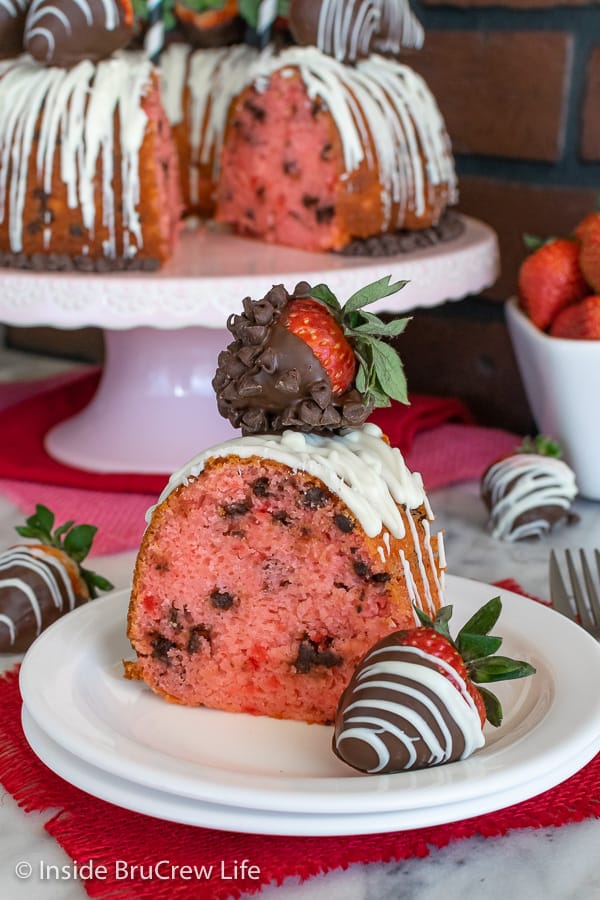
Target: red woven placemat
(98, 833)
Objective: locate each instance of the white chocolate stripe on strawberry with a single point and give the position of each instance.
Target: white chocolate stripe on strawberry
(452, 708)
(12, 632)
(523, 482)
(342, 31)
(14, 7)
(25, 589)
(372, 494)
(47, 567)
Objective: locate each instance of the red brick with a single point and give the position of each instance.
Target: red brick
(509, 4)
(514, 209)
(590, 134)
(502, 93)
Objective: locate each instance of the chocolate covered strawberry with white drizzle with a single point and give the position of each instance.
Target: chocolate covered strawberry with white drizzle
(42, 581)
(529, 492)
(65, 32)
(413, 701)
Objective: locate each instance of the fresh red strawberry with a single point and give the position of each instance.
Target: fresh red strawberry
(431, 641)
(579, 322)
(314, 324)
(589, 222)
(471, 654)
(589, 254)
(549, 280)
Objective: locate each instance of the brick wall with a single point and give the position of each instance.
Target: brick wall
(518, 82)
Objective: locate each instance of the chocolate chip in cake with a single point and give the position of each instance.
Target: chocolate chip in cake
(282, 516)
(260, 487)
(381, 577)
(312, 654)
(174, 617)
(257, 112)
(345, 524)
(161, 647)
(290, 167)
(222, 599)
(341, 586)
(361, 568)
(326, 152)
(198, 634)
(324, 214)
(240, 508)
(314, 498)
(309, 200)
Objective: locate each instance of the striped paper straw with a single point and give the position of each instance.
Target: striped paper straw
(267, 14)
(154, 38)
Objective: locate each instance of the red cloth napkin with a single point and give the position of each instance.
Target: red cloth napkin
(24, 425)
(90, 830)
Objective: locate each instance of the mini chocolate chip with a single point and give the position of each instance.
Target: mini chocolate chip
(343, 523)
(381, 577)
(198, 634)
(222, 599)
(239, 508)
(324, 214)
(161, 646)
(361, 568)
(290, 167)
(257, 112)
(249, 214)
(341, 586)
(309, 200)
(311, 654)
(174, 618)
(314, 498)
(237, 533)
(358, 608)
(162, 566)
(326, 151)
(260, 192)
(282, 516)
(260, 487)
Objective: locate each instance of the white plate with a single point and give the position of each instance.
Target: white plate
(72, 685)
(173, 808)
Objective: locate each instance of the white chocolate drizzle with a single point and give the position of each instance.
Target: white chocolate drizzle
(381, 723)
(347, 30)
(213, 77)
(78, 114)
(384, 113)
(372, 490)
(522, 483)
(14, 7)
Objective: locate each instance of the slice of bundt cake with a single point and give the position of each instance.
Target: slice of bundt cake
(272, 563)
(317, 153)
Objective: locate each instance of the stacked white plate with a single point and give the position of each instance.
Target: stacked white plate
(118, 741)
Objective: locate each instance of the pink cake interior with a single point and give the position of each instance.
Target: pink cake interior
(278, 171)
(255, 592)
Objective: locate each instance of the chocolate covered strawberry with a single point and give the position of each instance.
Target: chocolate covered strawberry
(210, 24)
(65, 32)
(305, 362)
(415, 699)
(549, 280)
(41, 581)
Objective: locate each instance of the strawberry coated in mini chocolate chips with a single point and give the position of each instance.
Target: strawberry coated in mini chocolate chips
(303, 361)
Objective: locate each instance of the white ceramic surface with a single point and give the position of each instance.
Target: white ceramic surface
(72, 685)
(174, 808)
(562, 382)
(212, 271)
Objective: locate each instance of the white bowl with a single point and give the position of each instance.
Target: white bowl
(562, 381)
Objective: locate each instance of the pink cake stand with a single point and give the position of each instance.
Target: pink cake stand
(154, 407)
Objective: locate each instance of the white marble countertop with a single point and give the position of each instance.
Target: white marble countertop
(557, 863)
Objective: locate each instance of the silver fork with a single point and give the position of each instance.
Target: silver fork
(580, 601)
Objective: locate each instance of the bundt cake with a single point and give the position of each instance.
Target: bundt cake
(317, 153)
(89, 176)
(272, 563)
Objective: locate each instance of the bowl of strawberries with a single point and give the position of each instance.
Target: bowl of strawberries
(554, 324)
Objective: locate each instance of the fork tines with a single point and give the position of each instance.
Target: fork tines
(582, 601)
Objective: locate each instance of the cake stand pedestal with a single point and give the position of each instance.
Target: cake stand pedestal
(154, 407)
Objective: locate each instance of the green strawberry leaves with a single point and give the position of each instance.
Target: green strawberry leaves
(477, 648)
(542, 445)
(74, 540)
(380, 375)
